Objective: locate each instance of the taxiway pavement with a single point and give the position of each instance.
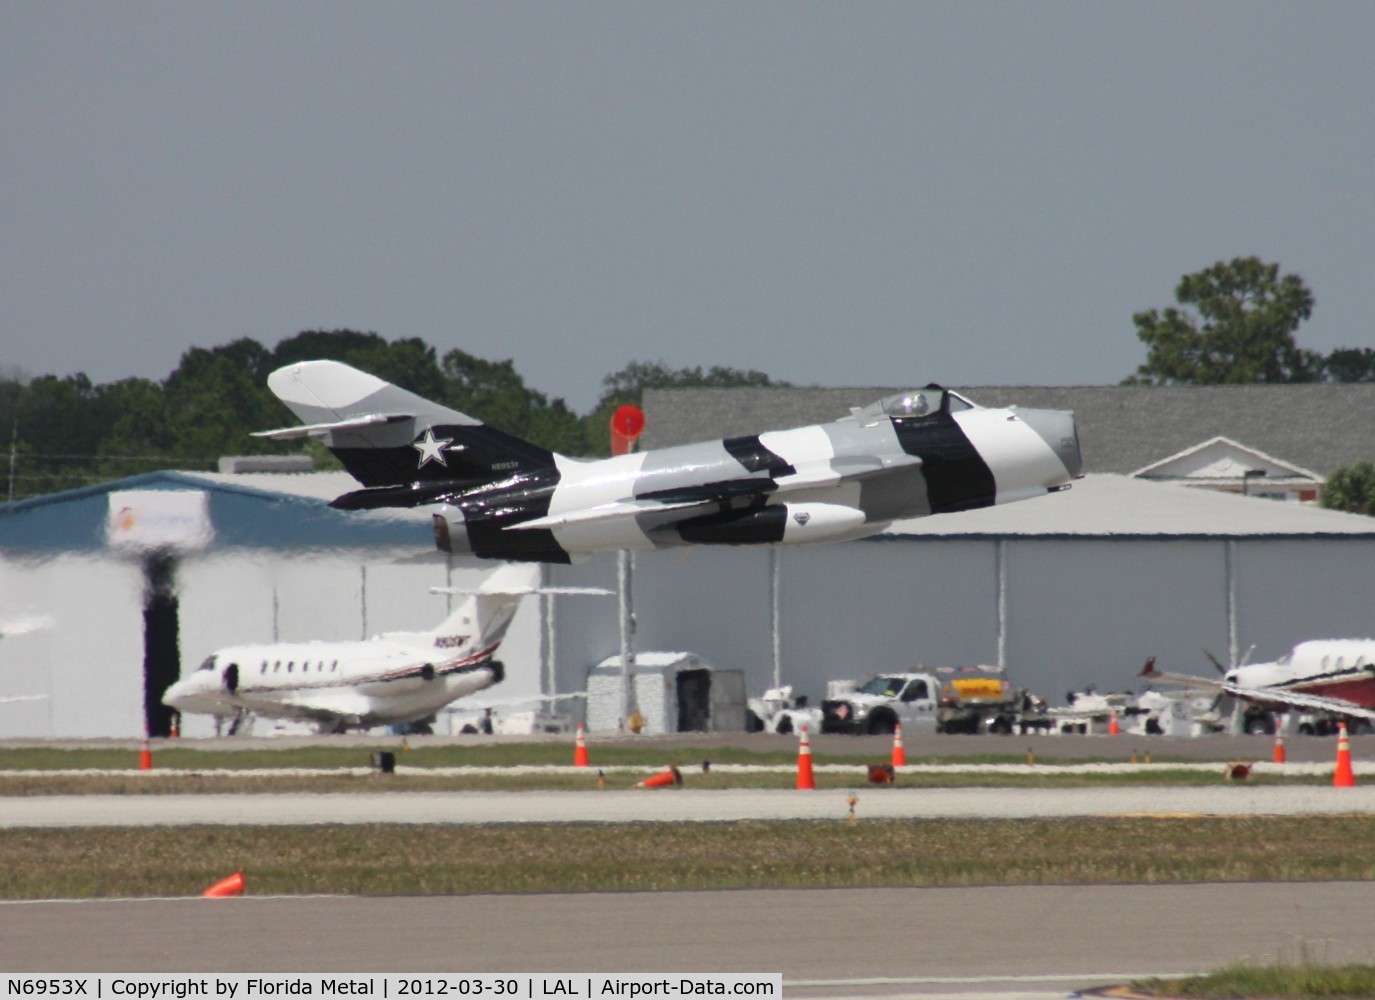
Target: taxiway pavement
(678, 805)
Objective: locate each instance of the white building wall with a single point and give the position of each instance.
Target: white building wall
(89, 662)
(854, 609)
(1290, 590)
(1089, 613)
(1079, 612)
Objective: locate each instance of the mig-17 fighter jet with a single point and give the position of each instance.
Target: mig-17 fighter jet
(927, 451)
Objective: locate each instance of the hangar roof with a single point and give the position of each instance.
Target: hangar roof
(1121, 428)
(235, 511)
(1122, 507)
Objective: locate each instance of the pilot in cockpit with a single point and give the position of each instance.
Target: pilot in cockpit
(912, 404)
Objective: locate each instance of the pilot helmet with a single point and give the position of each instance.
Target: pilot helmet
(913, 404)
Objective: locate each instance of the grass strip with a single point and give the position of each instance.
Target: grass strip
(168, 782)
(1301, 981)
(385, 859)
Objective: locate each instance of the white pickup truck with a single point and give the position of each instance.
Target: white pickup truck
(945, 700)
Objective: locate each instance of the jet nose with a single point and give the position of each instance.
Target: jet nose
(1059, 430)
(179, 694)
(191, 694)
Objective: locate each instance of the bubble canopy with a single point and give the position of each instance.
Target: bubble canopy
(918, 403)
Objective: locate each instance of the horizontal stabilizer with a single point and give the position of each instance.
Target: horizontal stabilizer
(318, 430)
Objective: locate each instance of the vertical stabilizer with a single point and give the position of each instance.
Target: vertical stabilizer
(386, 436)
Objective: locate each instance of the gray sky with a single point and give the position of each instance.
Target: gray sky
(834, 193)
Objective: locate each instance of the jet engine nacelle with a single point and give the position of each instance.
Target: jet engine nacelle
(778, 524)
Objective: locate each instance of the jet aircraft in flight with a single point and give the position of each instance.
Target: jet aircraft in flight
(927, 451)
(393, 678)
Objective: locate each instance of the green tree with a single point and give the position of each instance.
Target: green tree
(1351, 364)
(495, 393)
(215, 400)
(1238, 327)
(59, 422)
(139, 438)
(1350, 488)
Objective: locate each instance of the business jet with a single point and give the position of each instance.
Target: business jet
(1320, 675)
(927, 451)
(394, 678)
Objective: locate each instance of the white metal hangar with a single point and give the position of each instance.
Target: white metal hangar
(1066, 591)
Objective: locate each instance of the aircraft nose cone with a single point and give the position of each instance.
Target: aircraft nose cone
(190, 694)
(176, 695)
(1058, 429)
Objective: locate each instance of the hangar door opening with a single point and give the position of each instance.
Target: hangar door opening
(711, 701)
(694, 701)
(161, 640)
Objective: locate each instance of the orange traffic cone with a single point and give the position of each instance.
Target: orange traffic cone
(231, 886)
(145, 756)
(805, 777)
(664, 779)
(1113, 728)
(899, 754)
(1279, 757)
(580, 749)
(1343, 776)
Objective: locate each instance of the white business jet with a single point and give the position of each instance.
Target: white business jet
(394, 678)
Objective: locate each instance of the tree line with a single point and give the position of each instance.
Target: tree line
(1234, 322)
(65, 432)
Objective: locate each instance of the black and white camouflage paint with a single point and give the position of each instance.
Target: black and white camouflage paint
(929, 451)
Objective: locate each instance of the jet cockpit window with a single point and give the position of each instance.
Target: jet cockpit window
(209, 663)
(917, 403)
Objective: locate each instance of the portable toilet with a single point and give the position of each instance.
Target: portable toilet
(675, 693)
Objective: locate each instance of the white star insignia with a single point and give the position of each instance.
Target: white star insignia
(431, 449)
